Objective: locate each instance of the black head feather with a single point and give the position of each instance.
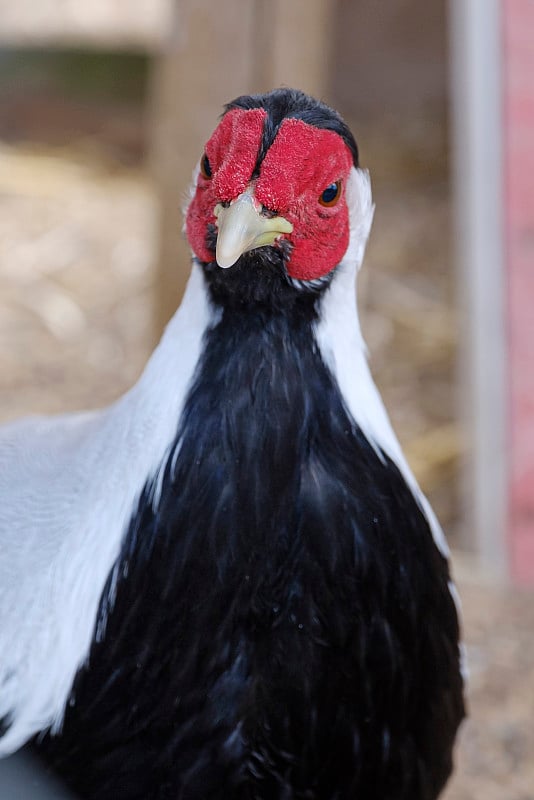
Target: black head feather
(282, 104)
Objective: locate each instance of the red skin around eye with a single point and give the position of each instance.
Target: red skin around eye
(232, 152)
(299, 165)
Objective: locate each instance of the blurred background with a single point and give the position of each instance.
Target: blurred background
(104, 110)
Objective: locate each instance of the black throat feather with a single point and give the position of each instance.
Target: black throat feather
(282, 625)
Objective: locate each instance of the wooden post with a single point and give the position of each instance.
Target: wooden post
(293, 41)
(207, 59)
(213, 53)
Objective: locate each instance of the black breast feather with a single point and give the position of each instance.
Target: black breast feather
(282, 626)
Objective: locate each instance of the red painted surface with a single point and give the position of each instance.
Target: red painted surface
(518, 120)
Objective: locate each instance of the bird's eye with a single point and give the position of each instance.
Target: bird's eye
(331, 194)
(205, 168)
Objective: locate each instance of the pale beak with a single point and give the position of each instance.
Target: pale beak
(242, 227)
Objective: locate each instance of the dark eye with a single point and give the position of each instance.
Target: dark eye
(205, 168)
(331, 194)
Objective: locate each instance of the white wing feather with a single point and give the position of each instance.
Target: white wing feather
(68, 486)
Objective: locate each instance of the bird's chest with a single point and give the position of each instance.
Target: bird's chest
(276, 531)
(279, 567)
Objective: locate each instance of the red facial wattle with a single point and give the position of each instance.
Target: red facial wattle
(299, 165)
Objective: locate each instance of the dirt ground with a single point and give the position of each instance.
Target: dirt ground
(77, 252)
(495, 757)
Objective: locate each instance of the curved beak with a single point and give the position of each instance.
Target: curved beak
(242, 227)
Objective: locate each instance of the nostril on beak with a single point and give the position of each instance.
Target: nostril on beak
(268, 213)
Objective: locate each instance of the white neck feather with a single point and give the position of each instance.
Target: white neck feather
(343, 348)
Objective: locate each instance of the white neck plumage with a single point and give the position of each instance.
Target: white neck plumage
(343, 348)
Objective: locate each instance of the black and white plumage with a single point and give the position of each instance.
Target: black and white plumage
(228, 583)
